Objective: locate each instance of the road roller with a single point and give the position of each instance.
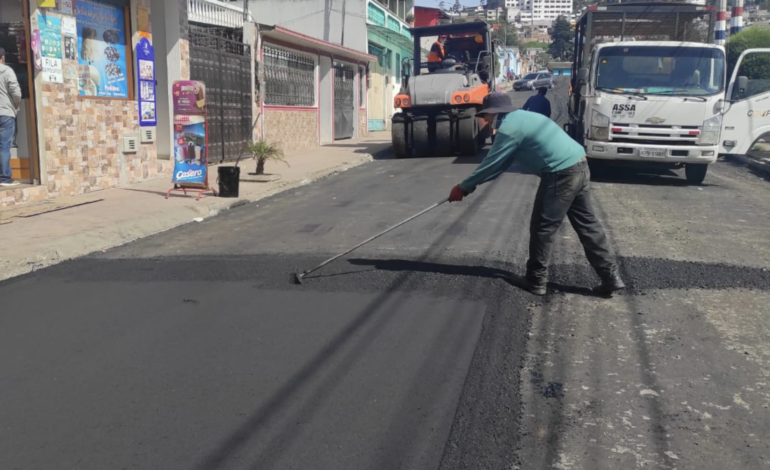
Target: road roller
(443, 86)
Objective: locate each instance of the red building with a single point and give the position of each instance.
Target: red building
(424, 16)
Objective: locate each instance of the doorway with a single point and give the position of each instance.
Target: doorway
(344, 100)
(14, 39)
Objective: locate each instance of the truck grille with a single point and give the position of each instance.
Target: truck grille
(650, 134)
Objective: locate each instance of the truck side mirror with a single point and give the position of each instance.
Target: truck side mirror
(740, 85)
(488, 63)
(582, 76)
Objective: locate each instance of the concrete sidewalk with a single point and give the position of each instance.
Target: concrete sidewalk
(110, 218)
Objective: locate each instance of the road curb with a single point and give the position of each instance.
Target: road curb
(128, 231)
(756, 165)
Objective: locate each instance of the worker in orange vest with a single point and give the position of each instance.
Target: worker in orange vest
(437, 54)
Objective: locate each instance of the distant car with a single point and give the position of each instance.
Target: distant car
(533, 81)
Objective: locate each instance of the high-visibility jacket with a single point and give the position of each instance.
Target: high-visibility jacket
(436, 52)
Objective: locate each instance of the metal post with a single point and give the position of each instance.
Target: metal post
(623, 27)
(736, 22)
(676, 28)
(221, 98)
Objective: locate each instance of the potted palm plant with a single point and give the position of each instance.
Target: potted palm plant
(262, 151)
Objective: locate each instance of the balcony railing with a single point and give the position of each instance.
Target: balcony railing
(215, 13)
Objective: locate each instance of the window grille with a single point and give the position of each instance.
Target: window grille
(289, 78)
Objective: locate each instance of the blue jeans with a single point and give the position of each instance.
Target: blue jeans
(7, 129)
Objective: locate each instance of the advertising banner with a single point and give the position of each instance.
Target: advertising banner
(51, 48)
(190, 137)
(145, 63)
(189, 98)
(103, 66)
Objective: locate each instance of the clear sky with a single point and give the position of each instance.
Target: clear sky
(433, 3)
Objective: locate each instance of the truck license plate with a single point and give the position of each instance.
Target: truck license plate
(652, 153)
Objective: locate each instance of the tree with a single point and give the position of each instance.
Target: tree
(561, 39)
(506, 35)
(457, 6)
(758, 66)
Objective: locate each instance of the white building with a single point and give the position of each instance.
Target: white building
(540, 11)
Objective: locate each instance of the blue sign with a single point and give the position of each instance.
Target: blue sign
(190, 150)
(103, 66)
(145, 64)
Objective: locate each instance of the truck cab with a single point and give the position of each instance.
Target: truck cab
(648, 86)
(654, 101)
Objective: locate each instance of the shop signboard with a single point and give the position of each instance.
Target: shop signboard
(145, 63)
(103, 65)
(65, 6)
(51, 48)
(190, 137)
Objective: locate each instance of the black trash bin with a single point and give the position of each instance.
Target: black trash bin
(229, 180)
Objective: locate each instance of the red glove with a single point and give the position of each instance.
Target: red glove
(457, 194)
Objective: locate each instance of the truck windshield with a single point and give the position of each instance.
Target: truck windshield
(660, 70)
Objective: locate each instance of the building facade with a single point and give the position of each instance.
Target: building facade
(91, 118)
(425, 16)
(540, 12)
(79, 126)
(389, 40)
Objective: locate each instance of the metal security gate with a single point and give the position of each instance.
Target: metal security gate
(225, 66)
(344, 101)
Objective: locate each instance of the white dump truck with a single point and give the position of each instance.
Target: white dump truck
(649, 87)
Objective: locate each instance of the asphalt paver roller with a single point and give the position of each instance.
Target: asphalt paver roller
(443, 87)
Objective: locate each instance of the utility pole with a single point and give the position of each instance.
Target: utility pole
(245, 10)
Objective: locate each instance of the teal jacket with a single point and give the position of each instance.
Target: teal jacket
(531, 139)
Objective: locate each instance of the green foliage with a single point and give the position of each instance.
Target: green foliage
(506, 35)
(561, 39)
(263, 151)
(756, 67)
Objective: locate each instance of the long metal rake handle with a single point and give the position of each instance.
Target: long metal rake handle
(300, 276)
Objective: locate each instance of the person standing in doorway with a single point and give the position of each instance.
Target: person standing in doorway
(539, 103)
(10, 99)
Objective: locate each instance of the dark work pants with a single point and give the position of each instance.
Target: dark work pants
(566, 192)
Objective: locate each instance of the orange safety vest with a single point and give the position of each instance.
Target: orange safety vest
(433, 57)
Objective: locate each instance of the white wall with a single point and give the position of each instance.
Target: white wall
(326, 101)
(168, 60)
(320, 19)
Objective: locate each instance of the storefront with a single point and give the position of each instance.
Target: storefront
(86, 124)
(14, 39)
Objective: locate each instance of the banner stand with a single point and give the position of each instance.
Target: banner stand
(191, 142)
(201, 191)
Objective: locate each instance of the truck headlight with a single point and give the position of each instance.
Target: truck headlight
(600, 126)
(709, 135)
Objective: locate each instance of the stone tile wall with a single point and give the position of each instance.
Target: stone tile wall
(80, 139)
(292, 129)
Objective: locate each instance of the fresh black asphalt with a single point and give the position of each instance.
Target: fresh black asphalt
(192, 349)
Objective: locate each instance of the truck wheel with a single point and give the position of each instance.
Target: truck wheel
(399, 133)
(695, 172)
(420, 139)
(469, 131)
(444, 138)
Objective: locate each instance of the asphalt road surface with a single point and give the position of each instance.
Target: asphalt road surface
(192, 349)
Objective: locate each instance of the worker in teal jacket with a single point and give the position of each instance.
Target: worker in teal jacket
(544, 148)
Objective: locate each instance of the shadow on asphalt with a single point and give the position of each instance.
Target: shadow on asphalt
(640, 177)
(758, 174)
(514, 280)
(378, 150)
